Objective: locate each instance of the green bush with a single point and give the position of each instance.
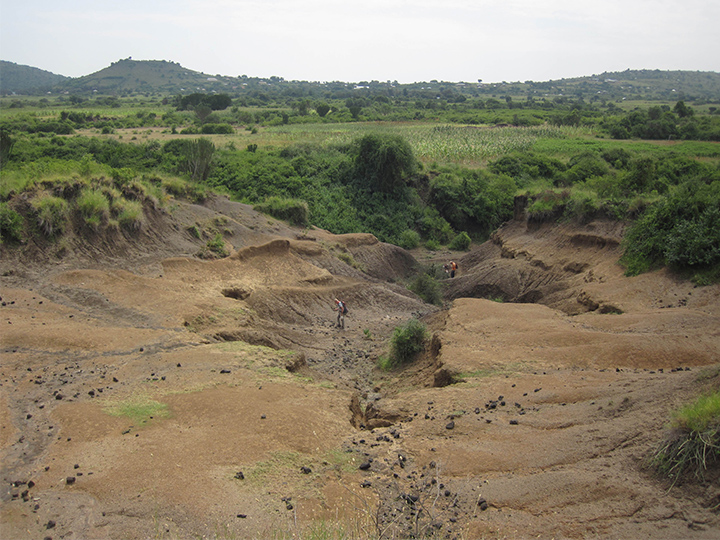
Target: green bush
(195, 231)
(582, 167)
(695, 242)
(433, 245)
(582, 206)
(384, 161)
(409, 239)
(406, 343)
(11, 224)
(427, 288)
(461, 242)
(51, 213)
(467, 200)
(218, 129)
(433, 226)
(292, 210)
(679, 230)
(527, 166)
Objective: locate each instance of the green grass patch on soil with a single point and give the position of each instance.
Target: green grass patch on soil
(139, 409)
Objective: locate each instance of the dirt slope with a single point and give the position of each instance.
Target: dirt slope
(149, 394)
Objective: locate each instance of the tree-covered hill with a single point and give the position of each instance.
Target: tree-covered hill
(18, 79)
(127, 76)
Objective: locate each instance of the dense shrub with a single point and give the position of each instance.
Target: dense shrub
(695, 242)
(680, 230)
(406, 343)
(582, 167)
(217, 129)
(473, 201)
(527, 166)
(433, 245)
(427, 288)
(617, 157)
(384, 162)
(461, 242)
(409, 239)
(103, 151)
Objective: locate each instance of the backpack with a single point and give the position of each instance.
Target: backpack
(344, 308)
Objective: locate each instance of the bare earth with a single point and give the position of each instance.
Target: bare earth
(252, 416)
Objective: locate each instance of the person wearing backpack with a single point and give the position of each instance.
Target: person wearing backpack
(453, 268)
(342, 310)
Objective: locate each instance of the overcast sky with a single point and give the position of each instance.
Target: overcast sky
(352, 41)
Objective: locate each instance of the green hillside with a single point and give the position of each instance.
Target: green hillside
(128, 76)
(644, 83)
(17, 79)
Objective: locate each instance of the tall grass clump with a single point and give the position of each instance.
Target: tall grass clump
(548, 206)
(214, 248)
(693, 443)
(14, 182)
(177, 187)
(51, 213)
(295, 211)
(406, 343)
(94, 207)
(129, 214)
(11, 224)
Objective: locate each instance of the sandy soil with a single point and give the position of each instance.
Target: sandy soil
(146, 393)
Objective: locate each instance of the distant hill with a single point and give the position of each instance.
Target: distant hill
(648, 83)
(18, 79)
(127, 76)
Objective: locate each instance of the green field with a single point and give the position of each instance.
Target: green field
(408, 171)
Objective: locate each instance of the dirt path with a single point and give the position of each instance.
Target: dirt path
(178, 398)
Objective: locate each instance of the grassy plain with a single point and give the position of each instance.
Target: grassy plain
(433, 143)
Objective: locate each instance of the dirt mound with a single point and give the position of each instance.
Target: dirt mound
(149, 393)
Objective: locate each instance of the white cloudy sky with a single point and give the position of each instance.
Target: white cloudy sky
(349, 40)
